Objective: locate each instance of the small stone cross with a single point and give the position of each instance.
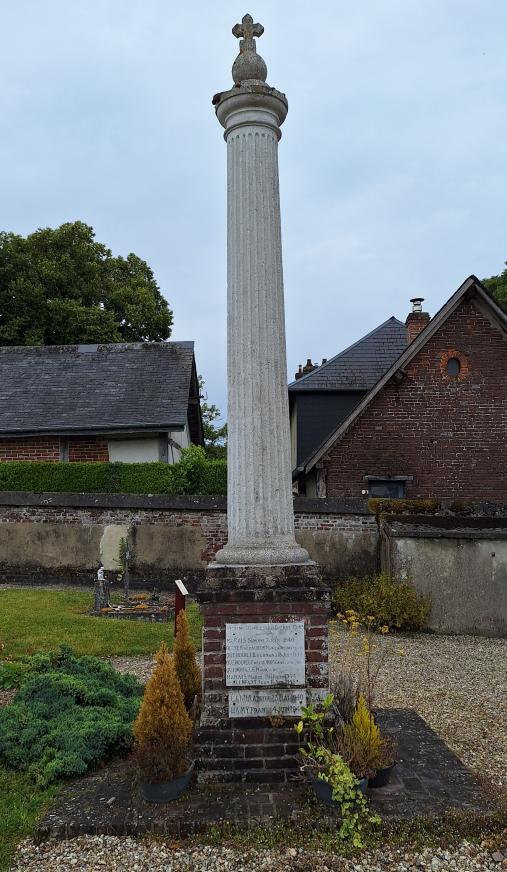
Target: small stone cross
(247, 29)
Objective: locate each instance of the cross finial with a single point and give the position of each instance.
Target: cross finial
(248, 66)
(247, 29)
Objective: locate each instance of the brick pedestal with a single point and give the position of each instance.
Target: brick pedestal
(257, 749)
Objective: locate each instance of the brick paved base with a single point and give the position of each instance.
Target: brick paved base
(258, 753)
(428, 782)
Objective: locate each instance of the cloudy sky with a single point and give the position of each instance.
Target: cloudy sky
(393, 157)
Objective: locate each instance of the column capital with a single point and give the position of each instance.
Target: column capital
(251, 105)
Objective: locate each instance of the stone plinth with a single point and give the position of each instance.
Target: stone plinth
(265, 688)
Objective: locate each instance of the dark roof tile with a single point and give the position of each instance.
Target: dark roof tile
(361, 365)
(94, 387)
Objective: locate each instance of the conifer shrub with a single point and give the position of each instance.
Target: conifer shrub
(163, 727)
(70, 714)
(380, 600)
(187, 670)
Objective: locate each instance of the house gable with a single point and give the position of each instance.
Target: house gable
(444, 432)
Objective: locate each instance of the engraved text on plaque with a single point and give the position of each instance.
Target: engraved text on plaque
(265, 654)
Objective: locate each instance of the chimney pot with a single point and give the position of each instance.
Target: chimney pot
(417, 304)
(416, 319)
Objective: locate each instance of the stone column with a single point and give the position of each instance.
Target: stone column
(264, 603)
(260, 510)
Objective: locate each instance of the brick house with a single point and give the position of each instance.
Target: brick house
(118, 402)
(435, 424)
(322, 397)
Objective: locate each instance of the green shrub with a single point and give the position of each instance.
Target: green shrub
(383, 506)
(194, 474)
(394, 604)
(12, 673)
(72, 713)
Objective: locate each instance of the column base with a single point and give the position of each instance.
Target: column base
(262, 555)
(262, 748)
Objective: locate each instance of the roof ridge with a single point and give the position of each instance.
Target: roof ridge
(346, 350)
(112, 346)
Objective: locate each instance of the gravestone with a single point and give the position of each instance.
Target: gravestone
(265, 607)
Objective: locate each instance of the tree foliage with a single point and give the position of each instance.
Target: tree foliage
(215, 438)
(61, 287)
(497, 287)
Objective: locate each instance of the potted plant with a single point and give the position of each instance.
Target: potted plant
(361, 742)
(162, 733)
(385, 763)
(332, 780)
(365, 749)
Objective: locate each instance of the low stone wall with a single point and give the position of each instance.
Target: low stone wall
(50, 537)
(461, 563)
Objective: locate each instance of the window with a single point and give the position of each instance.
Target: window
(384, 487)
(453, 367)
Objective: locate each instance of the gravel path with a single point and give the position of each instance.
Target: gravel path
(126, 855)
(458, 684)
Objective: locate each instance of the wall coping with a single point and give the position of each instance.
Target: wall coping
(170, 502)
(423, 527)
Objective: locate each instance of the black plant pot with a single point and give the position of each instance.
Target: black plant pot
(167, 791)
(381, 778)
(324, 791)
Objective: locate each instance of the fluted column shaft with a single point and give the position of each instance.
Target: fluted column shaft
(260, 510)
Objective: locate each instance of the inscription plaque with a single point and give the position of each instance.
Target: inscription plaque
(265, 655)
(266, 703)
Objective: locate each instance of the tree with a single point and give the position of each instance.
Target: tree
(497, 287)
(61, 287)
(215, 438)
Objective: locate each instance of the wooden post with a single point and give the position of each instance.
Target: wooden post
(179, 601)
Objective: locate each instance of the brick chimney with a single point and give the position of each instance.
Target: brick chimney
(417, 319)
(304, 370)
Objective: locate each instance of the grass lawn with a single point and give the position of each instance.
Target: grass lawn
(33, 620)
(21, 804)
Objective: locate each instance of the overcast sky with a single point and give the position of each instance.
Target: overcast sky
(393, 166)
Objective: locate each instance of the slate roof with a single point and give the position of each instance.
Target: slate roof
(95, 388)
(361, 365)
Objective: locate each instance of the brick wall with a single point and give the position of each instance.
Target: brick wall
(87, 448)
(48, 537)
(449, 433)
(38, 448)
(80, 448)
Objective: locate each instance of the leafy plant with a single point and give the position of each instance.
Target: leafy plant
(73, 713)
(380, 600)
(185, 663)
(12, 673)
(322, 760)
(163, 727)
